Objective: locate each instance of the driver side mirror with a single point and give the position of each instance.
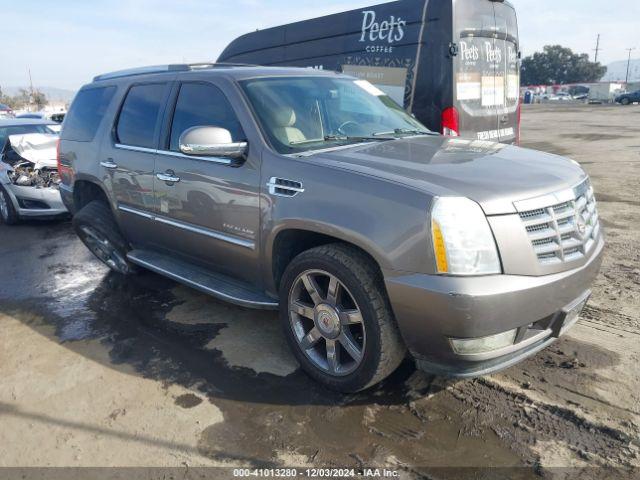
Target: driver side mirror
(211, 142)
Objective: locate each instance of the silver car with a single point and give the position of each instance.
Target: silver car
(28, 186)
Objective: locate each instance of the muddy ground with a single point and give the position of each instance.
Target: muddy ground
(97, 371)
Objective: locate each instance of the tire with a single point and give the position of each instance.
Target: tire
(374, 332)
(625, 101)
(8, 214)
(98, 230)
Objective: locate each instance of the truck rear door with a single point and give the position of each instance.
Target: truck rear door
(507, 41)
(486, 69)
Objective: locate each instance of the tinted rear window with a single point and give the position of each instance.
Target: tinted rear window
(86, 112)
(140, 114)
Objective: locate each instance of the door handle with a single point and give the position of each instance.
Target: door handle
(168, 177)
(109, 164)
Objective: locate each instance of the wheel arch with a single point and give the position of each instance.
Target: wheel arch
(86, 191)
(293, 238)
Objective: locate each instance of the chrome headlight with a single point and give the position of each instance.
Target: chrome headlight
(463, 243)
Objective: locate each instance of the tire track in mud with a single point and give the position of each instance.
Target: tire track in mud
(612, 321)
(523, 422)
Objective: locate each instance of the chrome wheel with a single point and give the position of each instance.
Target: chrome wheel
(327, 322)
(102, 248)
(4, 208)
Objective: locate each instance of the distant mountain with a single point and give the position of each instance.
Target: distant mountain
(53, 94)
(617, 71)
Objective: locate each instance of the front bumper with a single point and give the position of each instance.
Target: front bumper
(32, 202)
(432, 309)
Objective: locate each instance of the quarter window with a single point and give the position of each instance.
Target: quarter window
(140, 115)
(200, 105)
(87, 110)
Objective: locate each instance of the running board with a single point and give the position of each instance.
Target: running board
(214, 284)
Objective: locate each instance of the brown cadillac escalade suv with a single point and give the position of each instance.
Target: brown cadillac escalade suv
(313, 192)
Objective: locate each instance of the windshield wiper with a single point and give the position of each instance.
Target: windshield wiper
(358, 138)
(343, 138)
(404, 131)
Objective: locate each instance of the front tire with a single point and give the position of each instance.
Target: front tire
(98, 230)
(337, 318)
(8, 214)
(625, 101)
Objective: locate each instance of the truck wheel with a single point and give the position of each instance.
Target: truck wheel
(337, 318)
(8, 214)
(625, 101)
(98, 230)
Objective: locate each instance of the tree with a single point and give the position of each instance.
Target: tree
(559, 65)
(39, 99)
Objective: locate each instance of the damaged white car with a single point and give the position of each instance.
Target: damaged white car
(29, 181)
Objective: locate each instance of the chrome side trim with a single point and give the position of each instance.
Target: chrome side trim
(168, 153)
(132, 148)
(135, 211)
(207, 232)
(190, 228)
(198, 286)
(218, 160)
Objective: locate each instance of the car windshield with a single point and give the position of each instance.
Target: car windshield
(6, 132)
(310, 113)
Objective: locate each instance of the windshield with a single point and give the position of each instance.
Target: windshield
(6, 132)
(310, 113)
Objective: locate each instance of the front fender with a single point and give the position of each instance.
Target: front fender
(388, 220)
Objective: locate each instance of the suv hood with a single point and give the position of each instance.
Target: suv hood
(493, 174)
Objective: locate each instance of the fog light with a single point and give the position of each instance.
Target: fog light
(485, 344)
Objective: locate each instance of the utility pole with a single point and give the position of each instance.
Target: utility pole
(31, 96)
(629, 63)
(597, 49)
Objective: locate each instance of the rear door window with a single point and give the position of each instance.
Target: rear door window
(139, 118)
(203, 105)
(479, 80)
(87, 110)
(507, 40)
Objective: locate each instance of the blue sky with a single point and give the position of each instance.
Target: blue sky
(66, 42)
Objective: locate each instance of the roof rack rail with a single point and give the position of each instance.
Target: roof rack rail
(186, 67)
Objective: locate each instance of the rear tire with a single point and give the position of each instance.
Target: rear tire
(8, 214)
(625, 101)
(98, 230)
(347, 340)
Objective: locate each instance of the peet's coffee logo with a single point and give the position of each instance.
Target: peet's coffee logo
(469, 52)
(493, 54)
(392, 30)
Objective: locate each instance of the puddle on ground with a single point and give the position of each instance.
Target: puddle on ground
(188, 400)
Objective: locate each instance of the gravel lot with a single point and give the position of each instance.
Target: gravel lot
(100, 371)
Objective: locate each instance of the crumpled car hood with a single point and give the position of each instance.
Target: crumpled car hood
(492, 174)
(38, 148)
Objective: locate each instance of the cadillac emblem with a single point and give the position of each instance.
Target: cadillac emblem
(581, 226)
